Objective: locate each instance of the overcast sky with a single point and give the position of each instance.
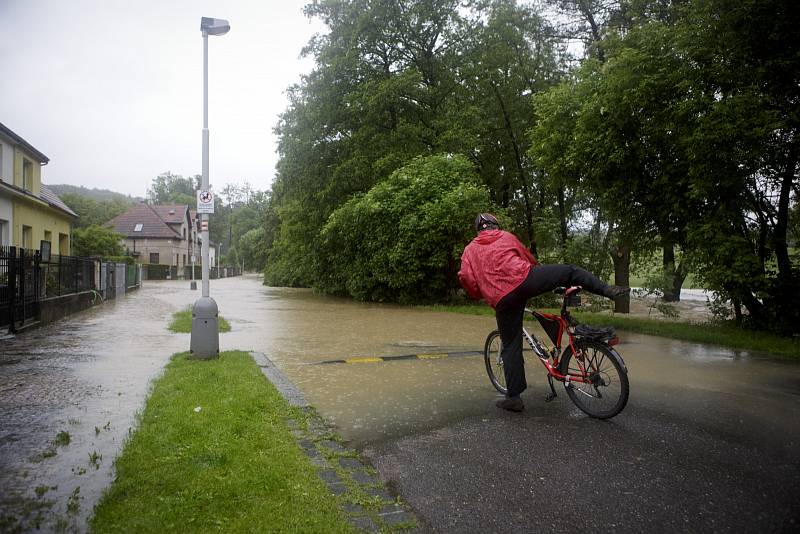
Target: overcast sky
(111, 90)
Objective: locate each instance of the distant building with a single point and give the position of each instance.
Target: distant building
(164, 234)
(29, 212)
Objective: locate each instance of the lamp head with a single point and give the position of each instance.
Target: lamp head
(211, 26)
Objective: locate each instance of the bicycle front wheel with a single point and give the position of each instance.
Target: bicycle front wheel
(603, 389)
(494, 362)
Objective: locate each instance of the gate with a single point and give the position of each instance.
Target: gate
(20, 286)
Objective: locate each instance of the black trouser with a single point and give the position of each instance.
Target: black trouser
(510, 309)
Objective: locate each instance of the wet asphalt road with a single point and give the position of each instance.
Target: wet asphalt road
(708, 441)
(547, 470)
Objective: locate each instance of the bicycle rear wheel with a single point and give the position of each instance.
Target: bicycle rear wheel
(605, 392)
(494, 361)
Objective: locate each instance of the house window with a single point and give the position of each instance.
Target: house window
(27, 175)
(27, 237)
(184, 259)
(4, 240)
(48, 235)
(138, 227)
(154, 257)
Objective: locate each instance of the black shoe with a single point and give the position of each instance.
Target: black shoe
(613, 292)
(512, 404)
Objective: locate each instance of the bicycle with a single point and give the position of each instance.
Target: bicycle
(592, 371)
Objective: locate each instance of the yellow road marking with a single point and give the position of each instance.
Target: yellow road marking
(363, 360)
(435, 356)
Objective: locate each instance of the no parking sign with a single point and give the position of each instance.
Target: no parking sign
(205, 201)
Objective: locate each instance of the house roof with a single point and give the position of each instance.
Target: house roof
(153, 226)
(5, 130)
(51, 198)
(171, 213)
(46, 196)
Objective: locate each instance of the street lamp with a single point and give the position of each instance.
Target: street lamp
(204, 343)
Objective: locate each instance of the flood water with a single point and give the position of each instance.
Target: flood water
(90, 373)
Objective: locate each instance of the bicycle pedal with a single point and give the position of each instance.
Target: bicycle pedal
(550, 397)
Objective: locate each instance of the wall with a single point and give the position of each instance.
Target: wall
(40, 218)
(166, 248)
(7, 215)
(59, 307)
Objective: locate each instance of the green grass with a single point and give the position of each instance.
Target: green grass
(230, 466)
(717, 334)
(182, 322)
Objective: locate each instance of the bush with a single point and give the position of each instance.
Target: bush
(402, 240)
(96, 241)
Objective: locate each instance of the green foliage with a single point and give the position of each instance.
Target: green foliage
(92, 211)
(96, 241)
(402, 240)
(683, 129)
(98, 195)
(253, 249)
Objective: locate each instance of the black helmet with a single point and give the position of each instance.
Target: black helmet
(486, 221)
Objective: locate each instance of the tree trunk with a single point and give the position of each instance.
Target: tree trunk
(621, 256)
(673, 275)
(562, 215)
(523, 182)
(782, 223)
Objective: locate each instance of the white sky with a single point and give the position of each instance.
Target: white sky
(111, 90)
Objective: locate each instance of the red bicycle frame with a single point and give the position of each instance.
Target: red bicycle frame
(567, 324)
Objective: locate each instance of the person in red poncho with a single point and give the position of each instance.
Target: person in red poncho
(496, 267)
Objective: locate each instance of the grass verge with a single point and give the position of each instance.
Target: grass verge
(182, 323)
(213, 452)
(717, 334)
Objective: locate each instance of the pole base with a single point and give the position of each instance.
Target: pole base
(193, 285)
(204, 343)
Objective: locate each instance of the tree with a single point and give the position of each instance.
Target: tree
(253, 249)
(96, 241)
(745, 153)
(398, 80)
(168, 188)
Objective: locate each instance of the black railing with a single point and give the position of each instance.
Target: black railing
(64, 275)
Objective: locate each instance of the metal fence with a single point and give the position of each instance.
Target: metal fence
(213, 272)
(19, 285)
(26, 281)
(65, 275)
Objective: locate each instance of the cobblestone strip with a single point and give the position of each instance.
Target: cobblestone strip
(362, 496)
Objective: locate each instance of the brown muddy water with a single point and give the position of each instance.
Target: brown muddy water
(89, 374)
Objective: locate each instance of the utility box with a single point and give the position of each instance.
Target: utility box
(204, 344)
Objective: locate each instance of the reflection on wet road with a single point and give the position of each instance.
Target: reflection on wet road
(88, 375)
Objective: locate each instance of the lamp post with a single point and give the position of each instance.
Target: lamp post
(204, 342)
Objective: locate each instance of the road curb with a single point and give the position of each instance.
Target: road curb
(363, 498)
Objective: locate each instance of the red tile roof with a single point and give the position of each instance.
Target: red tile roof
(172, 213)
(152, 224)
